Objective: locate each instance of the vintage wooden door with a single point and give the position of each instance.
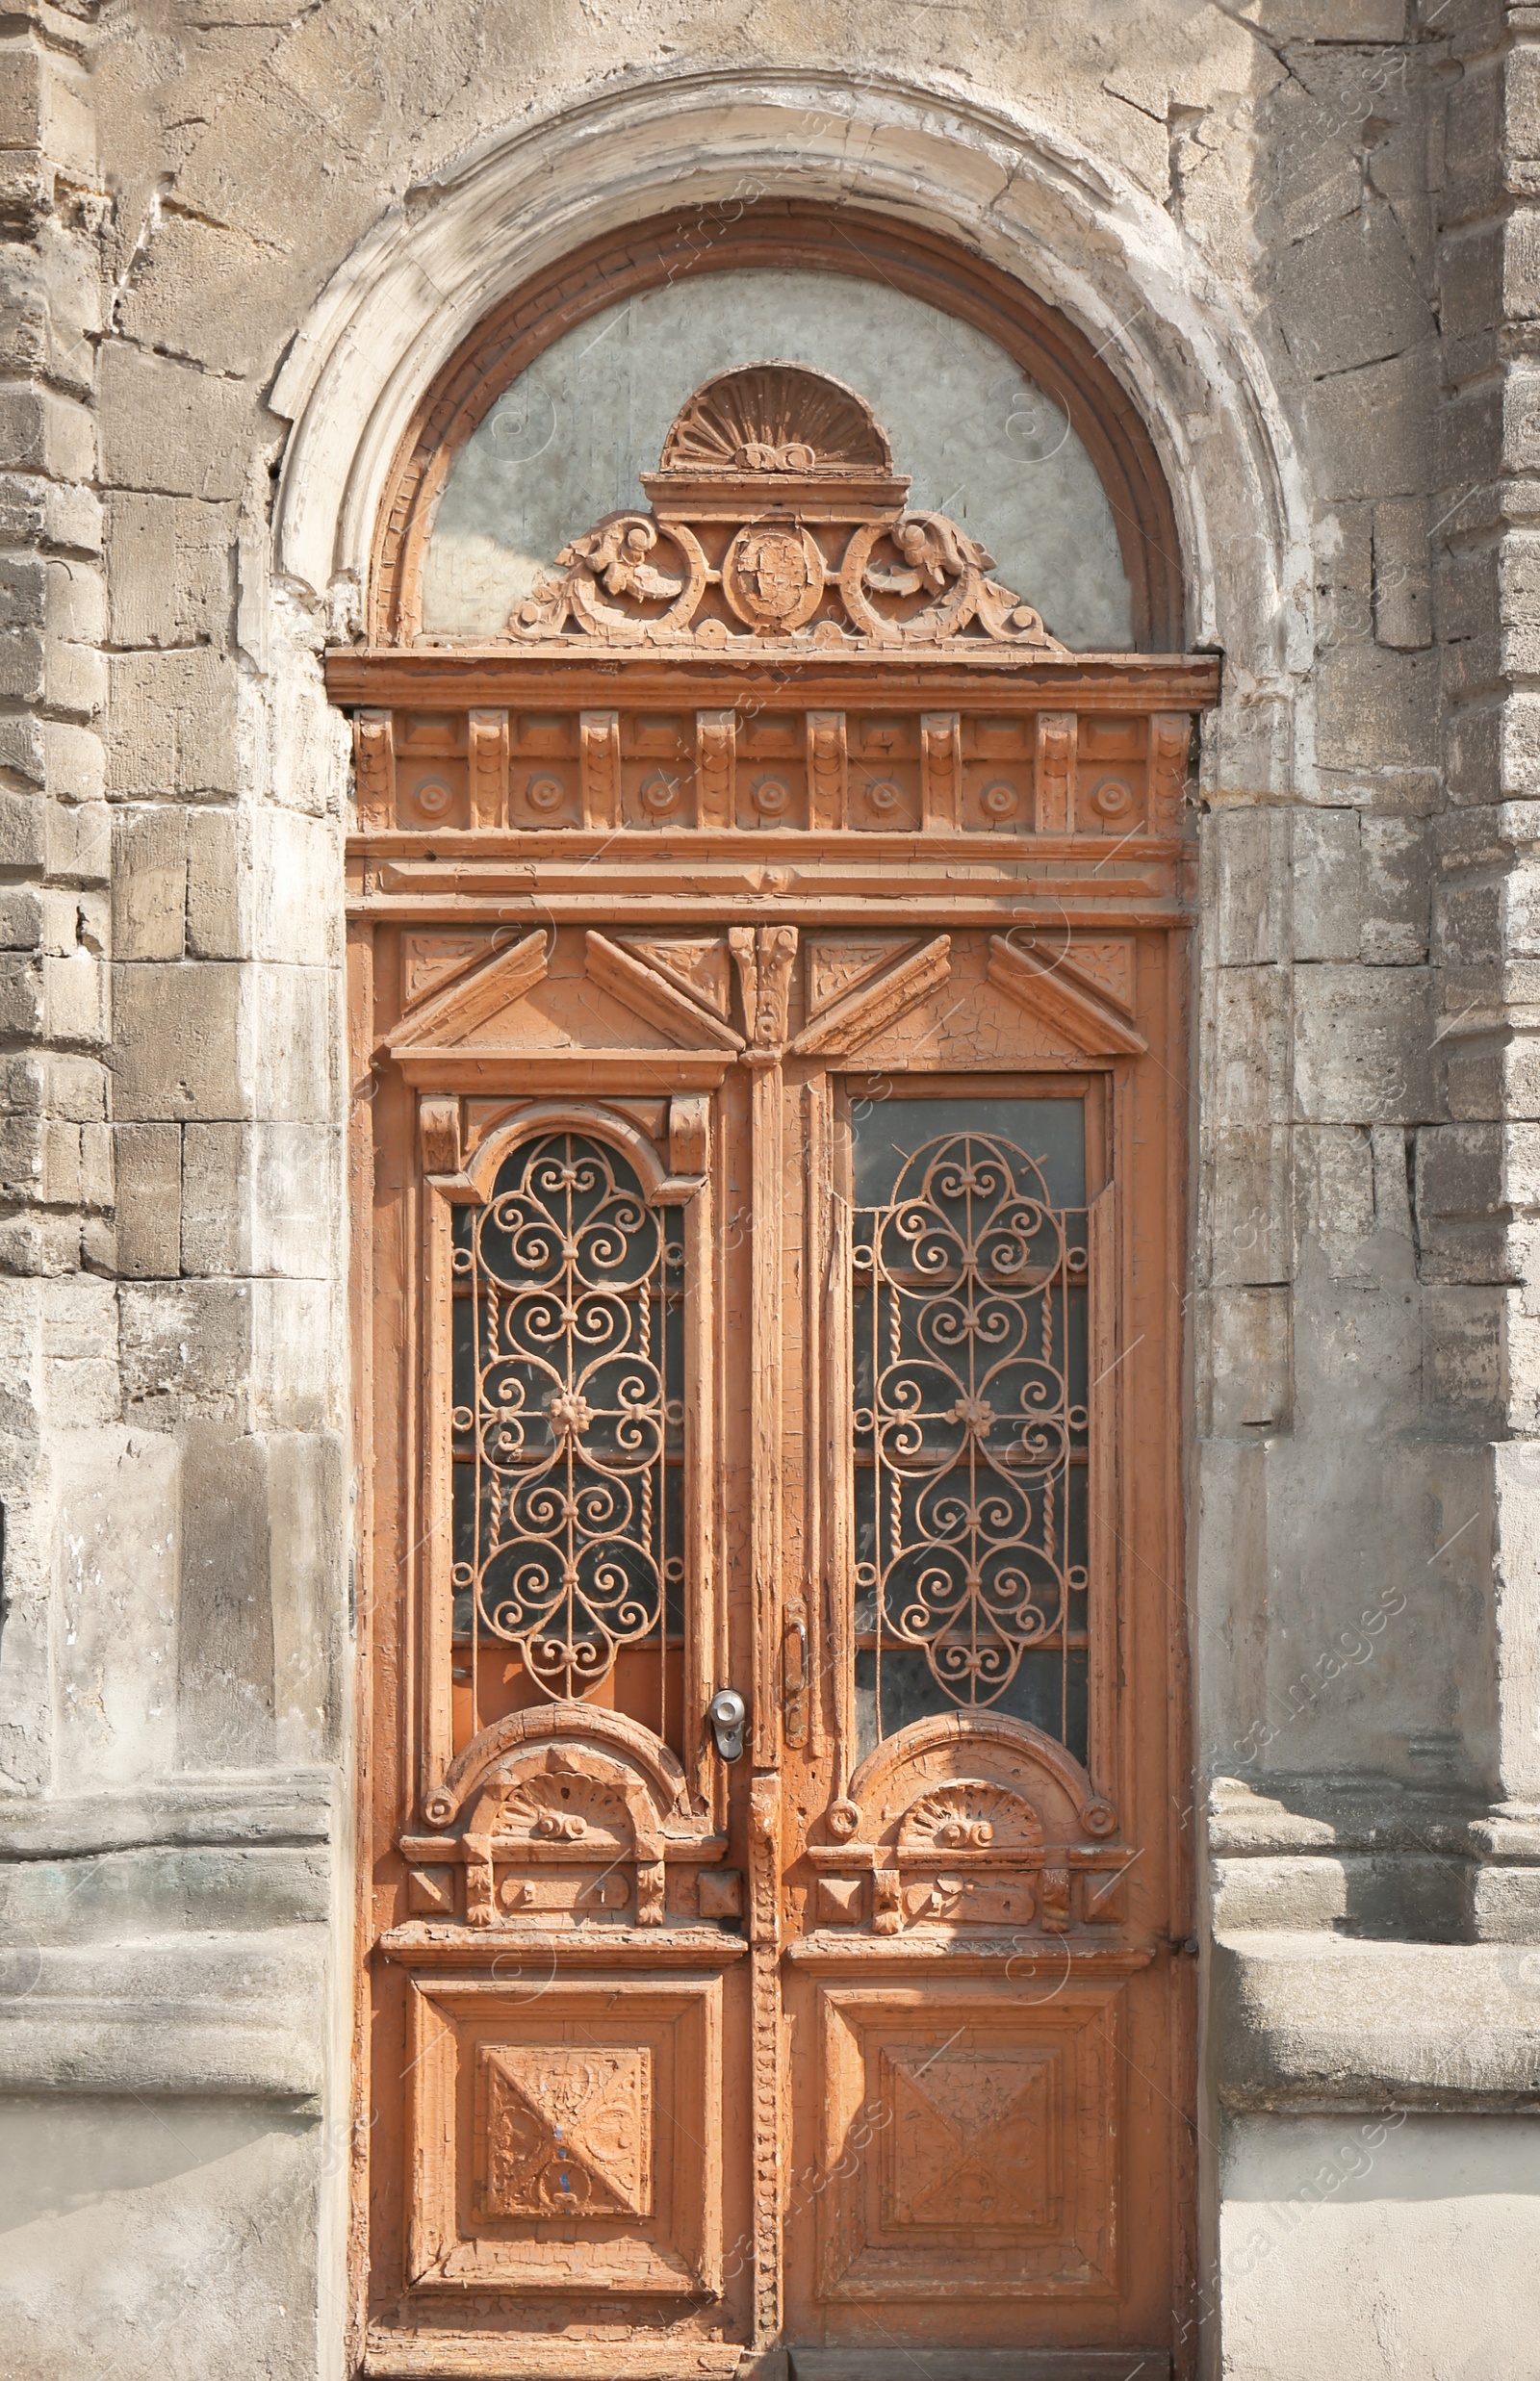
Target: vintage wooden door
(768, 1015)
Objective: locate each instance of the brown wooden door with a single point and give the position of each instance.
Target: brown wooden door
(769, 1160)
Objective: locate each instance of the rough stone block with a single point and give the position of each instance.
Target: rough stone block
(1369, 429)
(176, 1048)
(171, 570)
(80, 1382)
(75, 997)
(42, 432)
(54, 513)
(225, 1654)
(1377, 709)
(214, 925)
(149, 1200)
(309, 1562)
(74, 762)
(1350, 294)
(274, 171)
(1363, 1048)
(213, 1231)
(20, 919)
(1462, 1189)
(1504, 1905)
(24, 831)
(1249, 1361)
(1468, 924)
(288, 1027)
(1471, 296)
(22, 1156)
(293, 858)
(1520, 238)
(186, 1351)
(1404, 580)
(1334, 1201)
(1245, 851)
(116, 1576)
(1250, 1046)
(208, 292)
(77, 842)
(1395, 894)
(74, 1085)
(169, 428)
(174, 724)
(1327, 881)
(299, 1354)
(1473, 140)
(149, 884)
(1462, 1366)
(296, 1188)
(1521, 101)
(1470, 442)
(1247, 1205)
(1345, 545)
(21, 1005)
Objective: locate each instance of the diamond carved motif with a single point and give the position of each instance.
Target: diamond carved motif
(566, 2131)
(971, 2141)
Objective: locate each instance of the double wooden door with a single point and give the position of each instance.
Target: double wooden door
(834, 1370)
(768, 1163)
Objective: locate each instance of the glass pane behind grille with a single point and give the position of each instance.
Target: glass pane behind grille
(970, 1378)
(568, 1415)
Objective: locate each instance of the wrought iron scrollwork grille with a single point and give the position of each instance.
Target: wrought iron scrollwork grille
(971, 1439)
(569, 1416)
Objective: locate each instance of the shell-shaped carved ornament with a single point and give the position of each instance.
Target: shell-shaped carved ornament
(566, 1809)
(970, 1814)
(775, 418)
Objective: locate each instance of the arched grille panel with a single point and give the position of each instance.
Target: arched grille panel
(971, 1442)
(569, 1414)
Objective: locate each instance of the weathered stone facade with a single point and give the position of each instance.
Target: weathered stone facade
(239, 244)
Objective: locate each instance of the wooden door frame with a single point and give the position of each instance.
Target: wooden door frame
(1046, 882)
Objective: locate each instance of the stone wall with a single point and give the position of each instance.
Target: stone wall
(237, 244)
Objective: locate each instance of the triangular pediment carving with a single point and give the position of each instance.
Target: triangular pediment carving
(777, 522)
(698, 965)
(659, 996)
(836, 963)
(1043, 977)
(1103, 967)
(950, 1007)
(876, 1001)
(474, 998)
(518, 1006)
(430, 962)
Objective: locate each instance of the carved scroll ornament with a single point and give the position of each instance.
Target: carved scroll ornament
(776, 518)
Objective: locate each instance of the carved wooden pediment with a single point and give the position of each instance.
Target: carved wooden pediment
(777, 520)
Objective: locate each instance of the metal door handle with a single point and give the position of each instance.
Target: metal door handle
(726, 1712)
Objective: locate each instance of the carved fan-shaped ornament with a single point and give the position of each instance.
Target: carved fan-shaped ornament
(972, 1814)
(567, 1809)
(775, 418)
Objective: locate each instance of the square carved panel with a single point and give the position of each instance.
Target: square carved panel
(568, 2139)
(564, 2132)
(973, 2140)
